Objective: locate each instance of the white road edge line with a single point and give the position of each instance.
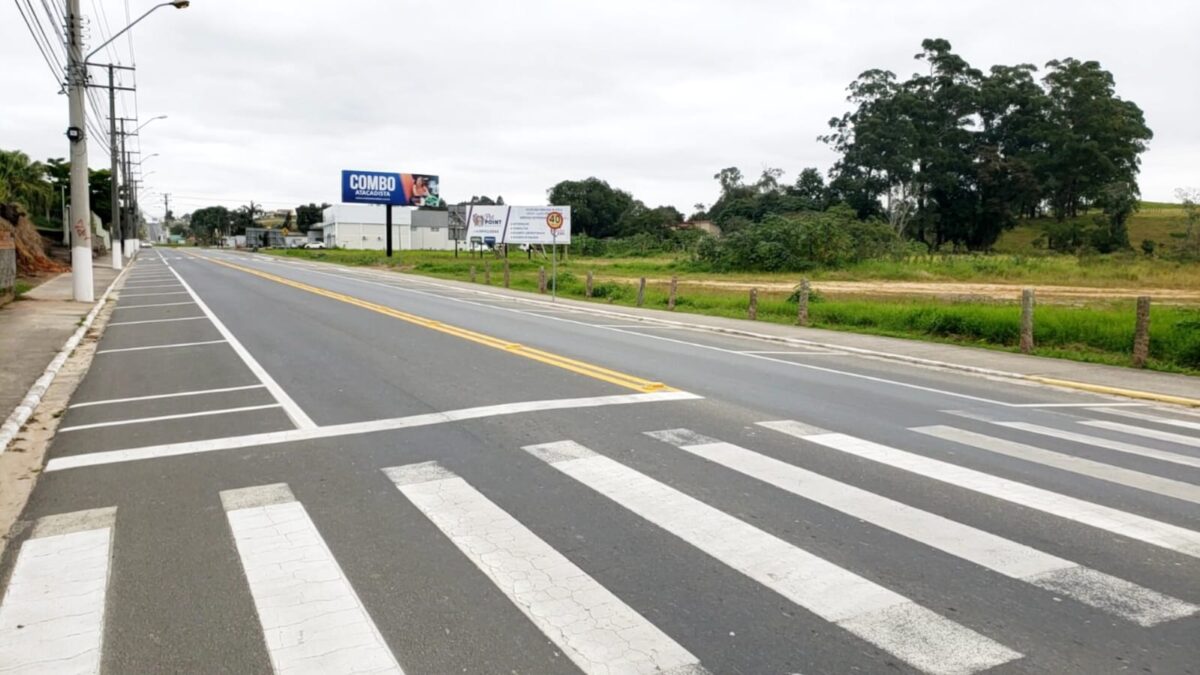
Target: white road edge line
(161, 418)
(170, 346)
(135, 323)
(1130, 525)
(293, 410)
(354, 428)
(896, 624)
(197, 392)
(1012, 559)
(52, 615)
(572, 609)
(312, 620)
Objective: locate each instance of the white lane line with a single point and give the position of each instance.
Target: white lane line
(157, 304)
(593, 627)
(312, 620)
(1168, 436)
(147, 295)
(52, 615)
(818, 352)
(170, 346)
(1126, 524)
(136, 323)
(354, 428)
(1018, 561)
(1100, 442)
(141, 286)
(1059, 460)
(651, 336)
(163, 418)
(886, 619)
(1184, 424)
(293, 410)
(197, 392)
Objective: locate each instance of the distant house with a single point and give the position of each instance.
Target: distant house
(705, 226)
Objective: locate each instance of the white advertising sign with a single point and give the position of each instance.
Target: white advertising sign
(520, 224)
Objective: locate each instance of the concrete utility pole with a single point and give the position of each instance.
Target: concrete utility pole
(167, 211)
(114, 199)
(81, 208)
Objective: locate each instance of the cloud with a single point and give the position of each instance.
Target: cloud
(271, 99)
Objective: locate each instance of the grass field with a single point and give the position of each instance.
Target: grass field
(1100, 332)
(1155, 221)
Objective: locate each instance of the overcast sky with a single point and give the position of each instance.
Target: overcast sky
(270, 99)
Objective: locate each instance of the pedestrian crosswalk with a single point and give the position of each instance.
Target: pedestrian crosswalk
(312, 617)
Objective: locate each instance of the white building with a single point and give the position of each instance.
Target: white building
(361, 226)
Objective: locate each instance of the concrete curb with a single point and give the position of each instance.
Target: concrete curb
(20, 414)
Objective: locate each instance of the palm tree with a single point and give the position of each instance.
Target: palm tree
(23, 181)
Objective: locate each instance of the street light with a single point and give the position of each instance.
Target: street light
(81, 208)
(143, 124)
(145, 158)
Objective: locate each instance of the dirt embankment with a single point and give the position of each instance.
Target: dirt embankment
(944, 290)
(31, 248)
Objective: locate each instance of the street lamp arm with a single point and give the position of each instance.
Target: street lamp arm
(180, 4)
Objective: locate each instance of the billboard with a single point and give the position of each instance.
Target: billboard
(397, 189)
(519, 224)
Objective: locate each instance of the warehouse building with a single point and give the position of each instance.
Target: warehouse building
(361, 226)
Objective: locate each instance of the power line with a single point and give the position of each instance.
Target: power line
(44, 49)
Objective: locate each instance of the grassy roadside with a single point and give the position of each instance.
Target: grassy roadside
(1098, 333)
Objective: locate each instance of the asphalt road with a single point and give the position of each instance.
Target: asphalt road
(277, 465)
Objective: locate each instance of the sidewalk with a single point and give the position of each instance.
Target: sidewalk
(34, 329)
(1132, 382)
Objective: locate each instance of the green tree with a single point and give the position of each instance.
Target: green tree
(1093, 138)
(309, 214)
(596, 207)
(23, 181)
(207, 220)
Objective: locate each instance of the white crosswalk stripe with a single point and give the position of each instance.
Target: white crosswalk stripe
(1100, 442)
(1169, 421)
(52, 616)
(312, 620)
(1171, 437)
(1126, 524)
(593, 627)
(1012, 559)
(922, 638)
(1059, 460)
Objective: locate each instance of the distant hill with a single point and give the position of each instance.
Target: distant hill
(1155, 221)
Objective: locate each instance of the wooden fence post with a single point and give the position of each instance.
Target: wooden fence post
(541, 280)
(506, 278)
(587, 291)
(472, 274)
(641, 292)
(671, 295)
(802, 305)
(487, 272)
(1141, 332)
(752, 312)
(1027, 321)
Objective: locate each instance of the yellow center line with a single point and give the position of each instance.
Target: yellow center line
(573, 365)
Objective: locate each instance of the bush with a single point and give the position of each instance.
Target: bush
(800, 242)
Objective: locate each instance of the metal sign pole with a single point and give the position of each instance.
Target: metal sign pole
(389, 230)
(554, 266)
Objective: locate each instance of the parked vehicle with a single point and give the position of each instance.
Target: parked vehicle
(315, 244)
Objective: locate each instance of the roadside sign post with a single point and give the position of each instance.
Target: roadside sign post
(554, 221)
(388, 225)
